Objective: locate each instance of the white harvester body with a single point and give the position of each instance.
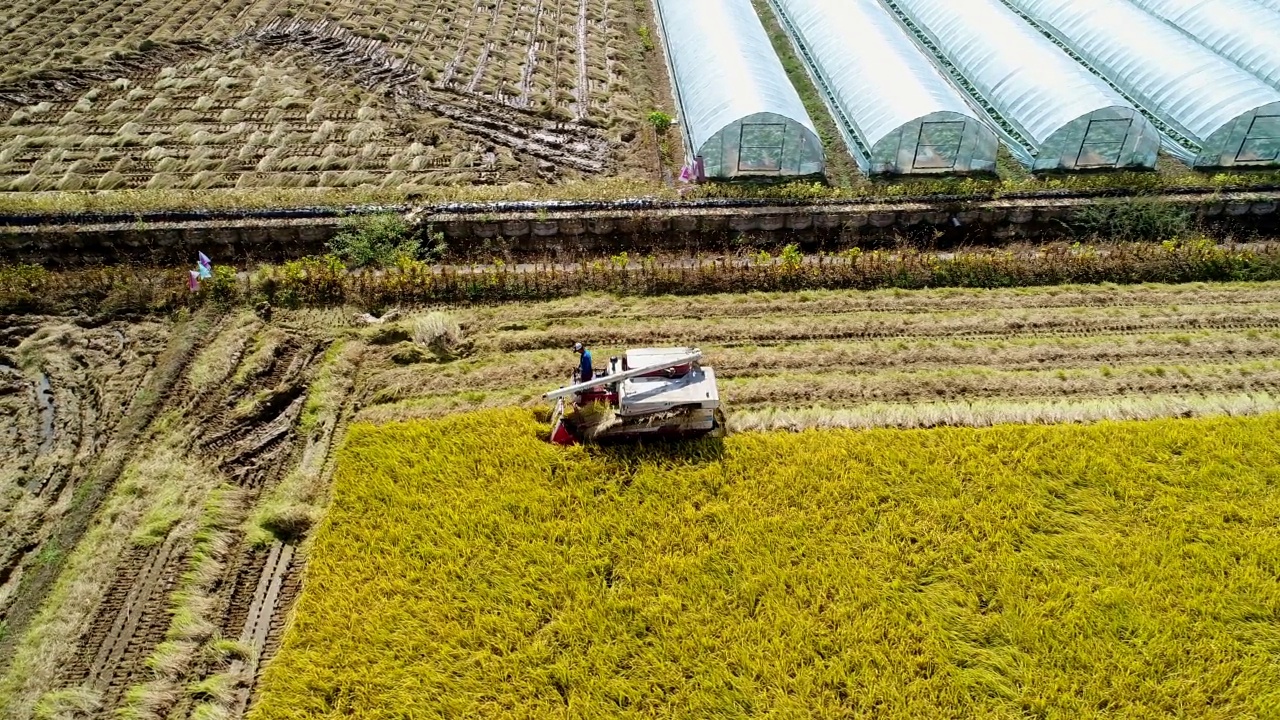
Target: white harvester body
(651, 391)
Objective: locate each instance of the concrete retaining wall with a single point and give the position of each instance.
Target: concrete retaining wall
(570, 234)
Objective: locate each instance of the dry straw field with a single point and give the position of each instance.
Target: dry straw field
(888, 358)
(469, 569)
(311, 94)
(163, 479)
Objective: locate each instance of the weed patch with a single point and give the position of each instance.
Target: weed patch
(375, 241)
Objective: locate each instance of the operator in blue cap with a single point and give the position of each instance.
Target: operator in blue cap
(584, 367)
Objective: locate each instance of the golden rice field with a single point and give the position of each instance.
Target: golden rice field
(468, 569)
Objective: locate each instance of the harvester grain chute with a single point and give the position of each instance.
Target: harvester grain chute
(647, 393)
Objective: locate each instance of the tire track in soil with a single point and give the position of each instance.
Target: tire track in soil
(255, 591)
(262, 596)
(260, 619)
(107, 459)
(253, 597)
(136, 613)
(130, 623)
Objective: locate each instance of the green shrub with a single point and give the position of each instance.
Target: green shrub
(309, 281)
(375, 241)
(1131, 220)
(223, 287)
(660, 121)
(646, 37)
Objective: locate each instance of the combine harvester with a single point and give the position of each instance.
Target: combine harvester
(654, 393)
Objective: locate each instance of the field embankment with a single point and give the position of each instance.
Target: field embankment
(569, 230)
(468, 568)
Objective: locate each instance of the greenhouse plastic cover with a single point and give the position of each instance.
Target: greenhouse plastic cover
(1238, 30)
(1273, 4)
(1063, 116)
(897, 112)
(1225, 115)
(725, 69)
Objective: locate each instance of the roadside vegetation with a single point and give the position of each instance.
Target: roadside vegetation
(413, 278)
(915, 574)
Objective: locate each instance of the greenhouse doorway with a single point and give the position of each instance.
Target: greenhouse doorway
(1103, 143)
(760, 147)
(1262, 142)
(938, 145)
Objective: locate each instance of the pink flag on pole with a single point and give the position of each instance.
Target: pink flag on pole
(193, 280)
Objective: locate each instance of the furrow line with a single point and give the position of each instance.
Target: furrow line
(272, 595)
(816, 309)
(560, 340)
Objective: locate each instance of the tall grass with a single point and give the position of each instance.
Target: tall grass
(469, 569)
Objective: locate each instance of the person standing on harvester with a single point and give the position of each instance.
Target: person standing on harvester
(584, 366)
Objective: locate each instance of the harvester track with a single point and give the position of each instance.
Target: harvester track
(130, 622)
(252, 451)
(265, 604)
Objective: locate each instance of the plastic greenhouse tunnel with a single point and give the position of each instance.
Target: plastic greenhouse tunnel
(1212, 113)
(738, 111)
(1238, 30)
(897, 113)
(1052, 112)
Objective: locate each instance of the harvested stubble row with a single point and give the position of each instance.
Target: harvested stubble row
(884, 358)
(468, 569)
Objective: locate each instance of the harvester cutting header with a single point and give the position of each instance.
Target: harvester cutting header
(648, 392)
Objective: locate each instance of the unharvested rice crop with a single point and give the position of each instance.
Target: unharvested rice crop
(468, 569)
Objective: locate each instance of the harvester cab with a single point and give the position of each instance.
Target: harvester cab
(648, 392)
